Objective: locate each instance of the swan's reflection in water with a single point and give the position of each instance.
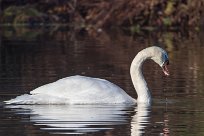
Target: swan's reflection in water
(81, 119)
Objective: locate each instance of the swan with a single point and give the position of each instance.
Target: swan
(87, 90)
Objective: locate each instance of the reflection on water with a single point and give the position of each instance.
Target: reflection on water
(32, 57)
(81, 119)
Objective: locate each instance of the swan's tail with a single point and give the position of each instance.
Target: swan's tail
(23, 99)
(37, 99)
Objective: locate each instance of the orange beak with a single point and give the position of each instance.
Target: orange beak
(165, 69)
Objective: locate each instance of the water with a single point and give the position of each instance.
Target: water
(32, 57)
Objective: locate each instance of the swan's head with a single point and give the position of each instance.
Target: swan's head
(160, 56)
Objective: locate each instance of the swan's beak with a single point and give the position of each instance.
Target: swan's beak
(165, 69)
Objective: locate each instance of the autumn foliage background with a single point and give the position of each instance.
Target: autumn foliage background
(135, 14)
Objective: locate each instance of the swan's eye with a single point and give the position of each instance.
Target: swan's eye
(166, 60)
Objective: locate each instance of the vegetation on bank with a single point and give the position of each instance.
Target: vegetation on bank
(135, 14)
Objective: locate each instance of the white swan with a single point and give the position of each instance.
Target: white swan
(87, 90)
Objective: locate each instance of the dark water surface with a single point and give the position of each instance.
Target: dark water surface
(30, 58)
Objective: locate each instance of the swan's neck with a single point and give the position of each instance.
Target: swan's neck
(138, 80)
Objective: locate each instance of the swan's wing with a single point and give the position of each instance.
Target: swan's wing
(71, 86)
(80, 89)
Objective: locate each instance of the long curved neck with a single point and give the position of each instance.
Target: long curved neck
(138, 80)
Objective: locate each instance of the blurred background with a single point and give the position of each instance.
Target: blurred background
(94, 14)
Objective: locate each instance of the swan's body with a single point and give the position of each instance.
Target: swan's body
(87, 90)
(76, 90)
